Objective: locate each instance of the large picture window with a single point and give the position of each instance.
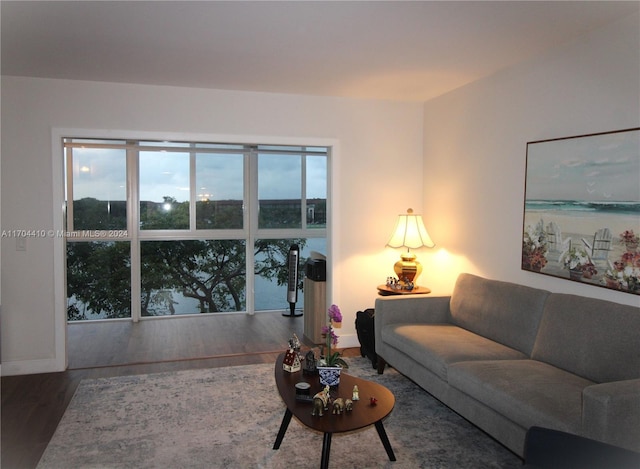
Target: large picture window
(157, 228)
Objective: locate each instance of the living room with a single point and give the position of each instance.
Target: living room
(457, 157)
(462, 165)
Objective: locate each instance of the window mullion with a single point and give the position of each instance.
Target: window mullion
(251, 208)
(303, 193)
(133, 228)
(192, 190)
(69, 205)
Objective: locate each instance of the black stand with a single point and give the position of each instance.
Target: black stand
(292, 311)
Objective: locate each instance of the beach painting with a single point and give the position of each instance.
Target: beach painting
(582, 209)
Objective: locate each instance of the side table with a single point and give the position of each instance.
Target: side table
(384, 290)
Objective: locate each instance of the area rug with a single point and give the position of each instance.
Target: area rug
(229, 417)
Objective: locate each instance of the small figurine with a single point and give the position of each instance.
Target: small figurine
(373, 400)
(321, 402)
(348, 405)
(291, 361)
(294, 343)
(356, 393)
(338, 406)
(310, 364)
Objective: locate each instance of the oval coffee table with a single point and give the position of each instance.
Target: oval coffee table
(363, 414)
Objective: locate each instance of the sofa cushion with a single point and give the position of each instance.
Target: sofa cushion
(436, 346)
(596, 339)
(528, 391)
(502, 311)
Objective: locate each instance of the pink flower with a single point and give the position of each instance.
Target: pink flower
(334, 314)
(328, 331)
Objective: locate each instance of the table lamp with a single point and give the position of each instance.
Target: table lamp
(409, 233)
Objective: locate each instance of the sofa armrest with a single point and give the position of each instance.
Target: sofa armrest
(413, 309)
(611, 413)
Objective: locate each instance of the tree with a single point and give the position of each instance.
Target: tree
(211, 271)
(98, 279)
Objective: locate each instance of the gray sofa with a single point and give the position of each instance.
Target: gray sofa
(508, 357)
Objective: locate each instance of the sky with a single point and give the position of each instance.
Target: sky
(603, 168)
(101, 173)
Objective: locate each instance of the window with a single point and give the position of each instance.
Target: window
(159, 228)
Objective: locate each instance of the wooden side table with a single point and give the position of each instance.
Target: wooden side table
(384, 290)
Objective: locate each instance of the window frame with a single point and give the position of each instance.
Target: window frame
(250, 231)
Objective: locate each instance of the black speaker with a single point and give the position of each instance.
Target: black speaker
(316, 270)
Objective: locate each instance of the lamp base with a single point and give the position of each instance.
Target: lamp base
(407, 269)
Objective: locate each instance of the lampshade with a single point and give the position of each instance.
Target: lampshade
(409, 233)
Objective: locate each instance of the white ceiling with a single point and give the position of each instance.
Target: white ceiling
(401, 50)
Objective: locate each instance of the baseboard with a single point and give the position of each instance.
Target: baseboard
(30, 367)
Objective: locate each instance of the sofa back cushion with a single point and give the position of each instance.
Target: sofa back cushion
(596, 339)
(505, 312)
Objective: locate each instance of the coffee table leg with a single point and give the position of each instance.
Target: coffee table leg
(326, 449)
(385, 440)
(283, 428)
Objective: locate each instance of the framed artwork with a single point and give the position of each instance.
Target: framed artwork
(582, 209)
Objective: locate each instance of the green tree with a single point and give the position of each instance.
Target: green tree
(168, 215)
(211, 271)
(98, 279)
(94, 214)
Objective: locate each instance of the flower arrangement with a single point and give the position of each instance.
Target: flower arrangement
(575, 258)
(630, 240)
(333, 358)
(589, 270)
(629, 237)
(625, 273)
(534, 248)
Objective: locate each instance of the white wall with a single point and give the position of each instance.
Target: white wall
(475, 150)
(375, 140)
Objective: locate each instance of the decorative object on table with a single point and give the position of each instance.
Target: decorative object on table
(303, 391)
(294, 343)
(409, 233)
(577, 262)
(321, 402)
(348, 405)
(402, 289)
(310, 364)
(291, 361)
(329, 375)
(338, 406)
(356, 393)
(373, 400)
(580, 207)
(332, 363)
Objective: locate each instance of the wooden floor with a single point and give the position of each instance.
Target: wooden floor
(32, 405)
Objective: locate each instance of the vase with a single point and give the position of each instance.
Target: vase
(612, 283)
(329, 375)
(575, 274)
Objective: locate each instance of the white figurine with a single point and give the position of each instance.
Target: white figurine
(356, 395)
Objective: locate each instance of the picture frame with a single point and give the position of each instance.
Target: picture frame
(581, 217)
